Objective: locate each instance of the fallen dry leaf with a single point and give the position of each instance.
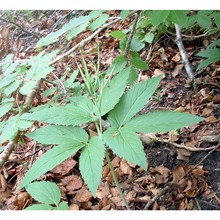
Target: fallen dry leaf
(73, 207)
(103, 191)
(72, 183)
(65, 167)
(125, 167)
(83, 195)
(211, 119)
(176, 58)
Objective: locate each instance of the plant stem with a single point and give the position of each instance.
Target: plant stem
(116, 181)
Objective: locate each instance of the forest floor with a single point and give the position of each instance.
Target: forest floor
(178, 178)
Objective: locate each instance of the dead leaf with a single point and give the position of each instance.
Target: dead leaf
(105, 170)
(179, 173)
(125, 168)
(116, 161)
(162, 54)
(65, 167)
(72, 183)
(183, 154)
(73, 207)
(211, 119)
(83, 195)
(131, 195)
(164, 171)
(103, 191)
(117, 201)
(207, 111)
(176, 58)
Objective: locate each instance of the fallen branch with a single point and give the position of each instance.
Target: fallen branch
(82, 43)
(183, 53)
(147, 140)
(21, 28)
(11, 144)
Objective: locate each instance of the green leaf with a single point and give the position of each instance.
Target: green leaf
(12, 126)
(54, 36)
(162, 121)
(138, 62)
(48, 161)
(95, 13)
(39, 69)
(45, 192)
(77, 30)
(7, 80)
(126, 144)
(133, 76)
(62, 206)
(117, 65)
(158, 16)
(112, 92)
(124, 14)
(118, 34)
(12, 87)
(149, 37)
(1, 149)
(122, 43)
(5, 107)
(212, 55)
(40, 207)
(217, 19)
(178, 17)
(136, 44)
(60, 135)
(98, 22)
(77, 112)
(91, 162)
(133, 101)
(204, 21)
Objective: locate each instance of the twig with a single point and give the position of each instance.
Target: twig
(145, 139)
(183, 53)
(82, 43)
(156, 197)
(11, 144)
(17, 25)
(131, 34)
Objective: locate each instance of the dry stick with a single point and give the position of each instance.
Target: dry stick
(17, 25)
(11, 144)
(80, 44)
(145, 139)
(169, 185)
(131, 34)
(183, 53)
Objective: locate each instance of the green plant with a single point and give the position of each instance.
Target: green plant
(48, 194)
(211, 55)
(103, 96)
(113, 94)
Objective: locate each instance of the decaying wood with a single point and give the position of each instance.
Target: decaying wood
(183, 53)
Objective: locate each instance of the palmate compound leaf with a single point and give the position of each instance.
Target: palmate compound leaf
(133, 101)
(45, 192)
(112, 92)
(91, 162)
(162, 121)
(79, 111)
(70, 140)
(126, 144)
